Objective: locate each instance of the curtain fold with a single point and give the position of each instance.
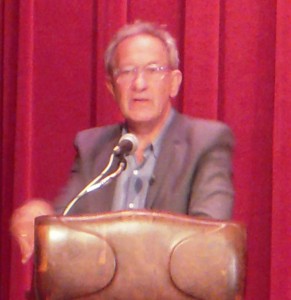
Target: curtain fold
(201, 59)
(236, 62)
(23, 146)
(281, 209)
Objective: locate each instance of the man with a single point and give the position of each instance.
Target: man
(181, 164)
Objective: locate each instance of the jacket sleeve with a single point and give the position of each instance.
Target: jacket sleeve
(74, 184)
(212, 192)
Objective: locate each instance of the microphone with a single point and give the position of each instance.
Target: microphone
(127, 145)
(152, 180)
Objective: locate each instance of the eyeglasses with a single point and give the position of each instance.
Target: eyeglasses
(150, 73)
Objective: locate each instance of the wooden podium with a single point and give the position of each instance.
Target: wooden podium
(138, 255)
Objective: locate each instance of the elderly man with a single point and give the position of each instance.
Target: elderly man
(181, 164)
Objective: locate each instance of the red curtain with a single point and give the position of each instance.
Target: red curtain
(236, 60)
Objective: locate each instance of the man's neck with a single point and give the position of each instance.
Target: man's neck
(147, 132)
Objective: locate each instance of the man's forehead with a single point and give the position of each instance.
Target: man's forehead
(142, 38)
(139, 45)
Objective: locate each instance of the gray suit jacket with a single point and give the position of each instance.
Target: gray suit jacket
(193, 173)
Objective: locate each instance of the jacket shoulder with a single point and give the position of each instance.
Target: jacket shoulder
(93, 138)
(201, 124)
(198, 130)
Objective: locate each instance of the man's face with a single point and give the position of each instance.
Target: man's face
(143, 82)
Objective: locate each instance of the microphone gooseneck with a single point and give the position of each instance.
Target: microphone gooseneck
(127, 145)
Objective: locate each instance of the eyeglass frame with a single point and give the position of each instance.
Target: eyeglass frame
(133, 71)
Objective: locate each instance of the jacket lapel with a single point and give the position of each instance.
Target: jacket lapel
(167, 159)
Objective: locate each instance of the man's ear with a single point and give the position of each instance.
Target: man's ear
(176, 79)
(109, 85)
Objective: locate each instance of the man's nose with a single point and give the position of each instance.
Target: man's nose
(139, 81)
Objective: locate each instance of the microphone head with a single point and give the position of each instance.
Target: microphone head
(127, 145)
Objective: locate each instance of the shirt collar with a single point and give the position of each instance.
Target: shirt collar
(155, 146)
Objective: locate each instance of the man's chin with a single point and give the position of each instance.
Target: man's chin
(141, 120)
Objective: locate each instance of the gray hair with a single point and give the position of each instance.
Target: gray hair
(137, 28)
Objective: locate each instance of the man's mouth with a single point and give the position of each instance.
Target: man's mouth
(140, 99)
